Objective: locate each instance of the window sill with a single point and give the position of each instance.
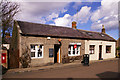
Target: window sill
(36, 57)
(74, 55)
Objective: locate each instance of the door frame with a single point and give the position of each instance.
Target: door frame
(58, 54)
(100, 52)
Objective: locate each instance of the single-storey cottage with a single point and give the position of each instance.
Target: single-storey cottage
(50, 44)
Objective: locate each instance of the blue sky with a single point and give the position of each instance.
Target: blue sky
(88, 15)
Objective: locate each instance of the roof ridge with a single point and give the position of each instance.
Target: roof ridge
(89, 31)
(44, 24)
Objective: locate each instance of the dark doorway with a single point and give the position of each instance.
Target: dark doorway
(100, 52)
(56, 53)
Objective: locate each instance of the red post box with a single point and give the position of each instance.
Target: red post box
(4, 57)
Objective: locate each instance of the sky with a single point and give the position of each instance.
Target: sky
(88, 15)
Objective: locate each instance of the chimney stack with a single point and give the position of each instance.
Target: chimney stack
(74, 25)
(103, 29)
(7, 35)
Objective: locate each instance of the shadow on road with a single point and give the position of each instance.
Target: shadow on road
(108, 74)
(69, 78)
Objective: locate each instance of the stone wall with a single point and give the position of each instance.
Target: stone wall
(26, 41)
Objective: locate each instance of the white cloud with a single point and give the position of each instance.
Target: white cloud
(63, 21)
(110, 22)
(83, 15)
(106, 15)
(40, 11)
(53, 15)
(95, 16)
(42, 8)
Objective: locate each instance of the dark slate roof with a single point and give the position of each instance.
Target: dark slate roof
(35, 29)
(97, 35)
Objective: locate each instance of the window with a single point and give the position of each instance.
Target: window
(36, 51)
(108, 49)
(51, 51)
(73, 51)
(92, 49)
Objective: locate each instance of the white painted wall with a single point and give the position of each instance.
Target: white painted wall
(105, 55)
(6, 45)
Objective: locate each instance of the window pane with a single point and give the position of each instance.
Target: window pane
(51, 52)
(73, 50)
(39, 51)
(78, 49)
(39, 54)
(41, 46)
(33, 47)
(69, 50)
(32, 50)
(32, 54)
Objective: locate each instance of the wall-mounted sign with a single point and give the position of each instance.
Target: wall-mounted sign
(51, 52)
(75, 46)
(75, 43)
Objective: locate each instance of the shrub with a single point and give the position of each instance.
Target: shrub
(25, 58)
(65, 59)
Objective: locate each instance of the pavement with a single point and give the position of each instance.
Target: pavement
(73, 64)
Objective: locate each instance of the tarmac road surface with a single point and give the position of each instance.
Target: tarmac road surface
(107, 69)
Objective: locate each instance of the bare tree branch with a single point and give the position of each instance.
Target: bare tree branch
(8, 11)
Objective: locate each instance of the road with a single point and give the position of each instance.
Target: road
(107, 69)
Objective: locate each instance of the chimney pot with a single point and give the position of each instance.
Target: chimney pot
(103, 29)
(74, 24)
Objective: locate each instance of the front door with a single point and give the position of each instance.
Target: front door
(56, 53)
(100, 52)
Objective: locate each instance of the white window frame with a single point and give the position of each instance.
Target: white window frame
(110, 49)
(72, 48)
(94, 49)
(36, 51)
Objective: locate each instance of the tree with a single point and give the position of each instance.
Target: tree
(8, 11)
